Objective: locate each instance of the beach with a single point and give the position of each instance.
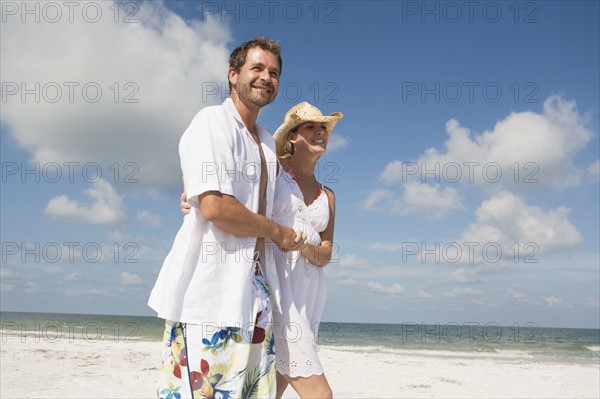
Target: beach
(68, 367)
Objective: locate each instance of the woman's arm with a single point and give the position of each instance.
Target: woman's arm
(320, 255)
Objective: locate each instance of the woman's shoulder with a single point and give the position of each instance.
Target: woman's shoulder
(330, 194)
(328, 190)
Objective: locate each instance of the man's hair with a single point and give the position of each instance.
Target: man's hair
(238, 56)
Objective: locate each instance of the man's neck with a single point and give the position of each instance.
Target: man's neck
(248, 112)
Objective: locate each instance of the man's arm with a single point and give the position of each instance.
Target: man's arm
(227, 213)
(230, 215)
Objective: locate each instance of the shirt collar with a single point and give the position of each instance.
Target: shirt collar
(230, 107)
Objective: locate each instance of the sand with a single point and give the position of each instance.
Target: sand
(108, 369)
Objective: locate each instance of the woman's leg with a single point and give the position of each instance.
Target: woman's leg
(281, 385)
(313, 387)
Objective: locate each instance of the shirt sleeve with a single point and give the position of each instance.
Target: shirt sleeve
(207, 159)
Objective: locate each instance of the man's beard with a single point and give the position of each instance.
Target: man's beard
(249, 94)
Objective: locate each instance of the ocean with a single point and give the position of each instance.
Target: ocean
(517, 343)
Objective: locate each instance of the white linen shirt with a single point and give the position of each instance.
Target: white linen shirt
(207, 275)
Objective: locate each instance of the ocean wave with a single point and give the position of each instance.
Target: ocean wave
(50, 335)
(494, 353)
(593, 348)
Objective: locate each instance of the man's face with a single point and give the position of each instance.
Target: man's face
(257, 82)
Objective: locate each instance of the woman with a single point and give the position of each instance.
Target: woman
(302, 201)
(297, 278)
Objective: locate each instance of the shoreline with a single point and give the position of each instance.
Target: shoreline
(514, 355)
(105, 369)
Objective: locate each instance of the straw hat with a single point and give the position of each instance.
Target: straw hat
(297, 115)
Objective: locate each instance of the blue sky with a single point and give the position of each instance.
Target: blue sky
(466, 167)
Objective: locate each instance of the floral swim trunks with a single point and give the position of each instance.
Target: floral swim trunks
(208, 361)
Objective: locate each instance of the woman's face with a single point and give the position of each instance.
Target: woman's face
(311, 136)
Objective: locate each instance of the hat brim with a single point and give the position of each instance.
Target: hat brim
(280, 135)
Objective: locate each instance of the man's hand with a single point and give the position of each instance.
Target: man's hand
(185, 206)
(288, 239)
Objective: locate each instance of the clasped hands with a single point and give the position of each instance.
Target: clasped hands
(286, 238)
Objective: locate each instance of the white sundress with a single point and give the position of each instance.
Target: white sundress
(302, 289)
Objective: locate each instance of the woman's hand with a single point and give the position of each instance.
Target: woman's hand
(185, 206)
(319, 255)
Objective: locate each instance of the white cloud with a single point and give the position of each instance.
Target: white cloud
(429, 200)
(337, 142)
(352, 261)
(423, 294)
(554, 301)
(506, 219)
(593, 303)
(377, 288)
(462, 292)
(7, 273)
(346, 282)
(72, 276)
(530, 150)
(31, 287)
(57, 269)
(468, 275)
(165, 63)
(387, 246)
(593, 171)
(137, 247)
(87, 293)
(106, 206)
(7, 287)
(340, 275)
(517, 296)
(352, 274)
(378, 200)
(150, 220)
(115, 235)
(395, 172)
(131, 279)
(525, 151)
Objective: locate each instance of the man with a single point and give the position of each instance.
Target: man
(210, 290)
